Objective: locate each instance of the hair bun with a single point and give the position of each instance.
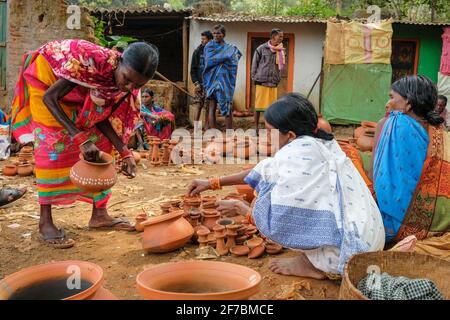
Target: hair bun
(433, 118)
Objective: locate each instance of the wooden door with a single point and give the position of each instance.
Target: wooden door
(286, 84)
(3, 27)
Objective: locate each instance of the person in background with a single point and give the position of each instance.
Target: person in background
(441, 108)
(197, 67)
(268, 62)
(219, 76)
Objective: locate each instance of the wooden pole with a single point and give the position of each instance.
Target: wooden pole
(174, 84)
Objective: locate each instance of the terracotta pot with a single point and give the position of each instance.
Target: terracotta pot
(155, 159)
(210, 205)
(166, 152)
(209, 221)
(225, 222)
(241, 239)
(239, 250)
(92, 176)
(247, 191)
(254, 242)
(27, 149)
(166, 233)
(358, 132)
(366, 142)
(165, 207)
(324, 124)
(208, 199)
(25, 169)
(10, 170)
(238, 219)
(273, 248)
(139, 219)
(175, 203)
(61, 270)
(368, 124)
(221, 248)
(198, 280)
(257, 252)
(136, 156)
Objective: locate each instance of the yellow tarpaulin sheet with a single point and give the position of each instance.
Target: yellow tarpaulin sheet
(358, 43)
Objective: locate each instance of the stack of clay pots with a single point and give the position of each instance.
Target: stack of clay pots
(24, 166)
(364, 136)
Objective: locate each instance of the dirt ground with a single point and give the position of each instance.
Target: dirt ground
(120, 253)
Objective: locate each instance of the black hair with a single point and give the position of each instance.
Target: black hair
(207, 34)
(293, 112)
(142, 57)
(443, 98)
(221, 28)
(275, 31)
(149, 91)
(421, 94)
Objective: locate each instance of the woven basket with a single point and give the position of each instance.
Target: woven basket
(411, 265)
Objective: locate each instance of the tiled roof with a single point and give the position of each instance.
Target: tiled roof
(252, 18)
(141, 10)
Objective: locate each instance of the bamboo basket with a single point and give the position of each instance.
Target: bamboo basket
(408, 264)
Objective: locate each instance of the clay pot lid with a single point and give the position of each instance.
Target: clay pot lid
(163, 217)
(254, 242)
(256, 252)
(239, 250)
(107, 159)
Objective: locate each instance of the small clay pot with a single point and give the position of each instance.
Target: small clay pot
(175, 203)
(27, 149)
(210, 205)
(254, 242)
(139, 219)
(208, 199)
(273, 248)
(247, 191)
(225, 222)
(166, 206)
(256, 252)
(25, 169)
(236, 196)
(209, 221)
(9, 170)
(241, 239)
(239, 250)
(366, 142)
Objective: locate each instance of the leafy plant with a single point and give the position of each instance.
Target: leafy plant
(119, 42)
(312, 8)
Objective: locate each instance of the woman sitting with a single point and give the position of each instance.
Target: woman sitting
(310, 195)
(156, 121)
(411, 166)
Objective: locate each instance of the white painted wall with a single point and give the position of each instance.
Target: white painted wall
(309, 38)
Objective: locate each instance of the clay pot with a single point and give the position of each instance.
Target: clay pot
(155, 158)
(221, 248)
(358, 132)
(198, 228)
(9, 170)
(31, 276)
(251, 230)
(198, 280)
(324, 124)
(209, 221)
(254, 242)
(175, 203)
(208, 199)
(209, 205)
(366, 141)
(241, 239)
(166, 233)
(25, 169)
(247, 191)
(94, 176)
(257, 252)
(239, 250)
(27, 149)
(236, 196)
(225, 222)
(139, 219)
(191, 202)
(369, 124)
(165, 207)
(238, 219)
(273, 248)
(166, 152)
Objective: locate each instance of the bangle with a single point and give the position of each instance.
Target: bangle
(215, 184)
(126, 154)
(80, 138)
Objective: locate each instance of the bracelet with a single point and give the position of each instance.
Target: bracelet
(80, 138)
(126, 154)
(215, 184)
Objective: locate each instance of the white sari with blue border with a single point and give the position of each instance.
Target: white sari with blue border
(312, 198)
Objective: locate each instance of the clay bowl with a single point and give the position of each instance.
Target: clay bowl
(241, 239)
(198, 280)
(246, 191)
(273, 248)
(89, 272)
(239, 250)
(256, 252)
(254, 242)
(242, 230)
(209, 199)
(166, 232)
(10, 170)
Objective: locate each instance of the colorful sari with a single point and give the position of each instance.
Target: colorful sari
(219, 76)
(312, 198)
(412, 178)
(161, 128)
(92, 68)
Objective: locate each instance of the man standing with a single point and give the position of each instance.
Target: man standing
(268, 62)
(441, 108)
(219, 77)
(197, 67)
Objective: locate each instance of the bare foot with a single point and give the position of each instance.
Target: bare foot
(102, 220)
(299, 266)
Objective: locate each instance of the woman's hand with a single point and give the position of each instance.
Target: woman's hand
(197, 186)
(90, 152)
(129, 167)
(226, 206)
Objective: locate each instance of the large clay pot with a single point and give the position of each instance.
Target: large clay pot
(366, 141)
(246, 190)
(10, 170)
(25, 169)
(198, 280)
(166, 233)
(91, 282)
(94, 176)
(324, 124)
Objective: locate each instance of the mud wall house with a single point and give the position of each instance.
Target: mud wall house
(303, 41)
(167, 30)
(24, 26)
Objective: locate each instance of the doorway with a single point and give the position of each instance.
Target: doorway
(254, 40)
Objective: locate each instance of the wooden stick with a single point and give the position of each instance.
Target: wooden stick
(174, 84)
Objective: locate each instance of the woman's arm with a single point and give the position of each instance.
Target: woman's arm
(197, 186)
(378, 130)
